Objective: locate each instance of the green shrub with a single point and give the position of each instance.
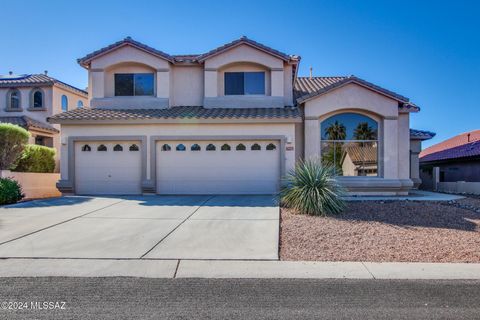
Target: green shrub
(10, 191)
(311, 188)
(12, 141)
(36, 158)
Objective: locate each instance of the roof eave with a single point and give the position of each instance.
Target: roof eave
(409, 107)
(208, 55)
(85, 61)
(173, 120)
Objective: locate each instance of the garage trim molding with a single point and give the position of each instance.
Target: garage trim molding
(152, 183)
(69, 184)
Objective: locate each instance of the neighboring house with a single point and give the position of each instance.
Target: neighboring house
(455, 159)
(360, 160)
(28, 100)
(232, 120)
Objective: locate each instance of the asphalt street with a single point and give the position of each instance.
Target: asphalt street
(136, 298)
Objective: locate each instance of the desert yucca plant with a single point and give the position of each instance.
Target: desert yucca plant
(311, 188)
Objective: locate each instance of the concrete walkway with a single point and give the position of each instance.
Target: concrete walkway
(415, 195)
(235, 269)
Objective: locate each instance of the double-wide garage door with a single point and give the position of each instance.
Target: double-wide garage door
(182, 167)
(218, 167)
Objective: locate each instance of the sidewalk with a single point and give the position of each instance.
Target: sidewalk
(234, 269)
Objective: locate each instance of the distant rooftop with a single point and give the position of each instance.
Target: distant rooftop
(458, 140)
(468, 150)
(31, 80)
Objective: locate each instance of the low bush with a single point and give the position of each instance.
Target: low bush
(10, 191)
(36, 158)
(12, 142)
(311, 188)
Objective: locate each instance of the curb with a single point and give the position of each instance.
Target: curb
(229, 269)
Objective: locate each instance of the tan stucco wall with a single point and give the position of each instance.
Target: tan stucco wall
(35, 185)
(72, 97)
(415, 148)
(287, 130)
(278, 78)
(127, 59)
(187, 86)
(201, 84)
(52, 100)
(129, 54)
(25, 103)
(394, 135)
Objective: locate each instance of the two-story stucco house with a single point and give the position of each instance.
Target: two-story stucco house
(28, 100)
(229, 121)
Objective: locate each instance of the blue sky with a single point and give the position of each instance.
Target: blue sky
(428, 51)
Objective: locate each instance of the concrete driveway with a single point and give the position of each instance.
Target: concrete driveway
(147, 227)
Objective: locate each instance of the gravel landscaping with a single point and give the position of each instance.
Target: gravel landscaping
(402, 231)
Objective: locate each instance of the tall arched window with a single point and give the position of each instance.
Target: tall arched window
(36, 99)
(64, 103)
(13, 99)
(349, 143)
(79, 104)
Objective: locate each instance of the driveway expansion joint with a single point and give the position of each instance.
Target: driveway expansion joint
(178, 226)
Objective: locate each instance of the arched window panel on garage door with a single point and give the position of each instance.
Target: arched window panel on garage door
(211, 147)
(102, 147)
(117, 148)
(181, 147)
(86, 148)
(256, 147)
(241, 147)
(226, 147)
(166, 147)
(271, 147)
(195, 147)
(134, 147)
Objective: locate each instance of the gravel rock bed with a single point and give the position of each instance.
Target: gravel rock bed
(401, 231)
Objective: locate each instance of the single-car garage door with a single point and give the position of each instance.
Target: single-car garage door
(108, 167)
(218, 167)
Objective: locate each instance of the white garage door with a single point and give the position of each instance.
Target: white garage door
(108, 167)
(218, 167)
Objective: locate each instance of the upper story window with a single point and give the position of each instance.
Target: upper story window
(13, 99)
(244, 83)
(64, 103)
(79, 104)
(134, 84)
(349, 143)
(37, 99)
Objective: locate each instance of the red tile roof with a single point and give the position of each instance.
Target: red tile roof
(307, 88)
(456, 141)
(184, 57)
(28, 123)
(186, 112)
(250, 42)
(471, 149)
(31, 80)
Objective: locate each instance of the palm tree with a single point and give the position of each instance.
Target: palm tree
(336, 131)
(363, 131)
(332, 156)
